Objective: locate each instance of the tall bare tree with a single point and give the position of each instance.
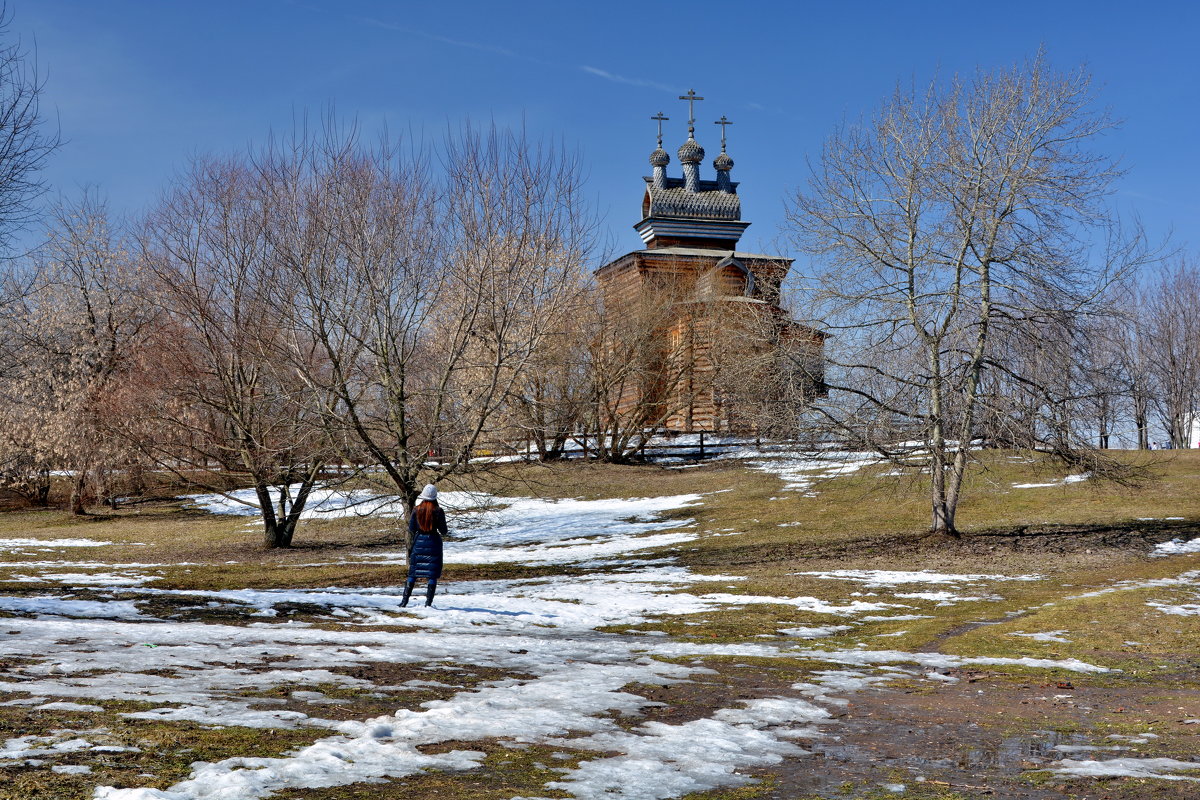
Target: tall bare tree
(426, 295)
(75, 339)
(1170, 323)
(25, 144)
(637, 371)
(549, 401)
(229, 406)
(955, 215)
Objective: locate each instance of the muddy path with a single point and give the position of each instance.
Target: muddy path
(992, 736)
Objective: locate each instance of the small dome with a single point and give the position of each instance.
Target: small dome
(659, 158)
(723, 162)
(690, 152)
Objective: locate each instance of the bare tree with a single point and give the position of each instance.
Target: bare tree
(953, 218)
(770, 372)
(1134, 355)
(1107, 384)
(229, 406)
(1170, 320)
(426, 295)
(634, 369)
(550, 399)
(25, 145)
(75, 338)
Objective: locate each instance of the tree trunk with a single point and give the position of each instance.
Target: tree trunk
(78, 488)
(41, 490)
(410, 505)
(943, 518)
(1141, 420)
(277, 534)
(1103, 420)
(273, 535)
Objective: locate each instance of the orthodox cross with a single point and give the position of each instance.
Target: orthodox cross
(691, 97)
(722, 122)
(661, 119)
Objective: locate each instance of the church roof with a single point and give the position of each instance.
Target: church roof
(708, 251)
(674, 201)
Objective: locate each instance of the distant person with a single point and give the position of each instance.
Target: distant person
(426, 527)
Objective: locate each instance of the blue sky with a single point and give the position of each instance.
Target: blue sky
(138, 86)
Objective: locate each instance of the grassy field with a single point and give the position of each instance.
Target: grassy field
(1089, 541)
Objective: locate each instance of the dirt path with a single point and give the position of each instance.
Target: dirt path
(988, 735)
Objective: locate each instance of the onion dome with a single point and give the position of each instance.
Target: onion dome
(659, 158)
(723, 163)
(690, 152)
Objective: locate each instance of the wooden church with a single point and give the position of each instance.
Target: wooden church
(719, 306)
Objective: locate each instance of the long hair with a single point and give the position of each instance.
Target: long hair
(425, 515)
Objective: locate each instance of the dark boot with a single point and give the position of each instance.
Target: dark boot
(408, 587)
(429, 590)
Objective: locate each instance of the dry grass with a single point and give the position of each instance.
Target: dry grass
(1083, 536)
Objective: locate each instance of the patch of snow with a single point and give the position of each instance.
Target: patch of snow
(812, 604)
(1045, 636)
(584, 602)
(659, 761)
(939, 660)
(24, 747)
(1160, 768)
(71, 769)
(1185, 610)
(840, 680)
(87, 579)
(1176, 547)
(67, 707)
(529, 530)
(80, 609)
(1067, 481)
(1191, 578)
(815, 632)
(941, 598)
(881, 577)
(799, 471)
(563, 531)
(568, 698)
(1083, 748)
(937, 676)
(21, 545)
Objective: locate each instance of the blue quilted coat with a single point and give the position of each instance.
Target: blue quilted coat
(425, 553)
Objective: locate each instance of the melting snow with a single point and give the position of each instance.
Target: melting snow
(799, 473)
(1161, 768)
(1176, 547)
(1044, 636)
(21, 545)
(1186, 610)
(880, 577)
(568, 685)
(1068, 480)
(939, 660)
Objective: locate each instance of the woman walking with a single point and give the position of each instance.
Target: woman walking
(426, 527)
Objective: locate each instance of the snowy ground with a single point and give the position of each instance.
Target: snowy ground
(560, 682)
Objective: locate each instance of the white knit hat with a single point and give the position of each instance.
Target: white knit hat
(428, 493)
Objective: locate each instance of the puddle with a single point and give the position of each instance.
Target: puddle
(1020, 752)
(909, 738)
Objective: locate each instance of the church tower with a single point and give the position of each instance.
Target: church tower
(713, 302)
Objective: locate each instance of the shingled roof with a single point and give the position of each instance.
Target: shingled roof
(674, 201)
